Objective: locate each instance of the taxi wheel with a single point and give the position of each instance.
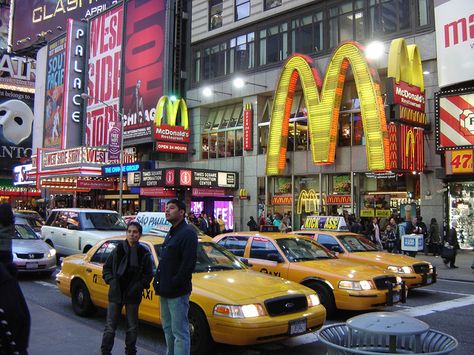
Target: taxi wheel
(201, 341)
(325, 297)
(81, 300)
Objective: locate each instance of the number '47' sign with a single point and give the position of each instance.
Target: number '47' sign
(461, 161)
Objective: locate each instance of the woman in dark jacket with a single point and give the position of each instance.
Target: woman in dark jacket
(434, 237)
(128, 271)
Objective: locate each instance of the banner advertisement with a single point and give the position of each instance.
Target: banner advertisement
(17, 71)
(115, 135)
(53, 116)
(48, 17)
(455, 121)
(20, 175)
(226, 209)
(454, 41)
(16, 121)
(74, 83)
(459, 161)
(144, 61)
(104, 75)
(248, 125)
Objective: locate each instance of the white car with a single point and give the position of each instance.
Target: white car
(30, 253)
(75, 230)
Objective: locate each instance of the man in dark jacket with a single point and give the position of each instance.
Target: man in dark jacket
(173, 278)
(128, 271)
(452, 244)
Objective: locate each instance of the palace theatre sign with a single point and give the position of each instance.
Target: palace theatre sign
(396, 146)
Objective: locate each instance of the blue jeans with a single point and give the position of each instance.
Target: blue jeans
(114, 311)
(174, 319)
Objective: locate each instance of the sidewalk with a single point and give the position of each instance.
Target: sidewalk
(463, 260)
(52, 333)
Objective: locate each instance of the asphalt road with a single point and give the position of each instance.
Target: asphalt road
(447, 306)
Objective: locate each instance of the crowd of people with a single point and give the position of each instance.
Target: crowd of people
(208, 224)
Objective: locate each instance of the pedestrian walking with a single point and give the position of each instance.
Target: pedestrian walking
(434, 237)
(252, 224)
(14, 313)
(451, 247)
(128, 271)
(374, 233)
(172, 282)
(390, 239)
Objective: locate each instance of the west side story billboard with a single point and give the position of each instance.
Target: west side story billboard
(48, 17)
(104, 72)
(143, 65)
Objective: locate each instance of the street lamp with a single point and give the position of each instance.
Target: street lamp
(208, 92)
(86, 96)
(240, 83)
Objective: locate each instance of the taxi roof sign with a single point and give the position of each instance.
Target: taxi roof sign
(337, 223)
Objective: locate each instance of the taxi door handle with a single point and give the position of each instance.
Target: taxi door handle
(88, 270)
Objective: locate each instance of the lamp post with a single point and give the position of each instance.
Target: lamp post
(120, 114)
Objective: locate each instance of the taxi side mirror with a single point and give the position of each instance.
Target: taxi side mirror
(336, 249)
(275, 257)
(246, 262)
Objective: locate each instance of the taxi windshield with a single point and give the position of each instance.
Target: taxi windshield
(356, 243)
(298, 249)
(213, 257)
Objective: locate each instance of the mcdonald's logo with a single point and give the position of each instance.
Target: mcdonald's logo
(309, 199)
(323, 109)
(410, 138)
(243, 194)
(406, 147)
(405, 83)
(169, 136)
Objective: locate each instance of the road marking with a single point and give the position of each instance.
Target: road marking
(447, 292)
(438, 307)
(44, 283)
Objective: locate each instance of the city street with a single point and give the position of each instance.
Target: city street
(446, 306)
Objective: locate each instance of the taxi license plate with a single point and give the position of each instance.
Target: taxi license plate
(396, 297)
(429, 279)
(297, 326)
(31, 265)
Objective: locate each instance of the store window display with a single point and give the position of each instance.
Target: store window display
(461, 202)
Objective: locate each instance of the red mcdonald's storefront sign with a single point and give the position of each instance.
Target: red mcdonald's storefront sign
(338, 200)
(286, 199)
(248, 125)
(406, 147)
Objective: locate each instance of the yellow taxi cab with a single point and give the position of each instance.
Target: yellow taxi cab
(229, 303)
(339, 283)
(332, 232)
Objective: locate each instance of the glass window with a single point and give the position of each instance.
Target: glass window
(389, 16)
(261, 247)
(346, 22)
(231, 143)
(270, 4)
(210, 120)
(327, 241)
(344, 130)
(423, 12)
(242, 9)
(218, 120)
(234, 244)
(214, 61)
(215, 14)
(197, 66)
(205, 146)
(221, 143)
(239, 142)
(242, 51)
(273, 44)
(104, 251)
(236, 116)
(212, 146)
(227, 116)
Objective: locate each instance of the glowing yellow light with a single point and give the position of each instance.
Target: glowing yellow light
(172, 108)
(404, 63)
(323, 110)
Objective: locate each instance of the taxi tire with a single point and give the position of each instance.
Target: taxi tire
(201, 340)
(326, 297)
(81, 300)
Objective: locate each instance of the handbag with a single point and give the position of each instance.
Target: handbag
(447, 253)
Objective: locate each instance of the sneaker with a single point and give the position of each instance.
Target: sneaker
(454, 267)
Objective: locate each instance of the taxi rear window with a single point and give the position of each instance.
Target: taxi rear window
(356, 243)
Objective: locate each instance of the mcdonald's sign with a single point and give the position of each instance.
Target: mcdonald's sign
(323, 108)
(286, 199)
(169, 136)
(405, 84)
(309, 199)
(406, 148)
(243, 194)
(248, 125)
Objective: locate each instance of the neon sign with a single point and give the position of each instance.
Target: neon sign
(323, 109)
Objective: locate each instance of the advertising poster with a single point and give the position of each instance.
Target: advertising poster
(4, 21)
(226, 209)
(144, 61)
(341, 184)
(104, 66)
(53, 116)
(49, 17)
(15, 129)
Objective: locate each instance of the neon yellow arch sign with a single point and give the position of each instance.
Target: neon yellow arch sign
(165, 104)
(323, 110)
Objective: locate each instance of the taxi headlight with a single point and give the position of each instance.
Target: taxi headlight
(400, 269)
(243, 311)
(356, 285)
(52, 252)
(313, 300)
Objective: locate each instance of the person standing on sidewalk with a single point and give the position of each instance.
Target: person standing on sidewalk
(128, 271)
(451, 243)
(434, 237)
(173, 276)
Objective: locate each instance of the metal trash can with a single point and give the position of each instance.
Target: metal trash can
(341, 341)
